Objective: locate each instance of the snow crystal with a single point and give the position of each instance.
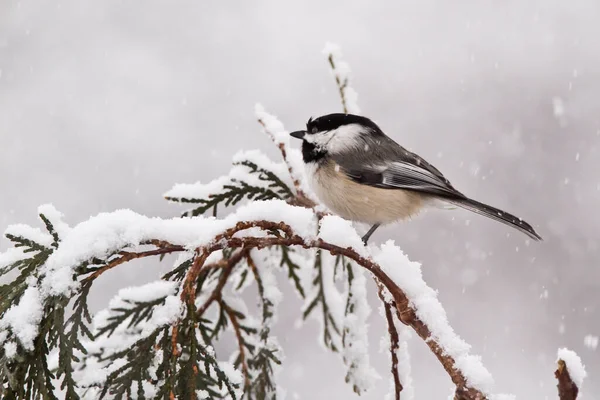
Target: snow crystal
(407, 275)
(574, 365)
(23, 318)
(338, 231)
(590, 341)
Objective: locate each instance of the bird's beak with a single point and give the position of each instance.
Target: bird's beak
(298, 134)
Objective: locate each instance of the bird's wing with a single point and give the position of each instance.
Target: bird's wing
(405, 170)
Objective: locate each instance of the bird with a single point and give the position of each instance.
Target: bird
(363, 175)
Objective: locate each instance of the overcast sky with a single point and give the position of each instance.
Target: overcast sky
(106, 104)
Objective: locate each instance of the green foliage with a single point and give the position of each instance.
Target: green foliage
(293, 269)
(238, 190)
(330, 328)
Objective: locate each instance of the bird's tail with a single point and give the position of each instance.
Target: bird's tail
(496, 214)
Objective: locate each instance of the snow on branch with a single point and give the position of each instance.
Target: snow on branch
(292, 157)
(254, 226)
(341, 73)
(570, 374)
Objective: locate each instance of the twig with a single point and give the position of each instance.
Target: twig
(240, 339)
(341, 85)
(128, 256)
(300, 195)
(394, 340)
(567, 389)
(231, 262)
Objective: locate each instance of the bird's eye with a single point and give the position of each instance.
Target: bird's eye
(314, 130)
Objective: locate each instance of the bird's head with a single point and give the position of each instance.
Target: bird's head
(334, 134)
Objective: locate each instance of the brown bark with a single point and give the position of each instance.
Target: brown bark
(567, 389)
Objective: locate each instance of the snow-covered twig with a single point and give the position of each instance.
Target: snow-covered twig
(394, 340)
(570, 374)
(341, 72)
(274, 128)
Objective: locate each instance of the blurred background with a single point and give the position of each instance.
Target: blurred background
(105, 105)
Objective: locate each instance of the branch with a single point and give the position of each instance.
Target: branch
(341, 72)
(394, 340)
(274, 128)
(570, 374)
(567, 389)
(404, 311)
(240, 340)
(231, 262)
(128, 256)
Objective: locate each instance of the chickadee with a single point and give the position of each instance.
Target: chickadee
(362, 175)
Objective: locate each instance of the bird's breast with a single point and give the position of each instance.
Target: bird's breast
(358, 202)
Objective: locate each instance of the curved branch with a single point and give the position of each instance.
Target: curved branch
(216, 293)
(128, 256)
(229, 239)
(403, 309)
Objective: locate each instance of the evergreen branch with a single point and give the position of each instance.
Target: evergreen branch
(263, 383)
(348, 310)
(11, 293)
(178, 273)
(329, 325)
(283, 150)
(234, 317)
(341, 84)
(20, 241)
(265, 175)
(238, 190)
(404, 311)
(139, 312)
(292, 268)
(139, 359)
(128, 256)
(51, 230)
(231, 262)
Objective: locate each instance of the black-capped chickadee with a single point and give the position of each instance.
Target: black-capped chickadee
(362, 175)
